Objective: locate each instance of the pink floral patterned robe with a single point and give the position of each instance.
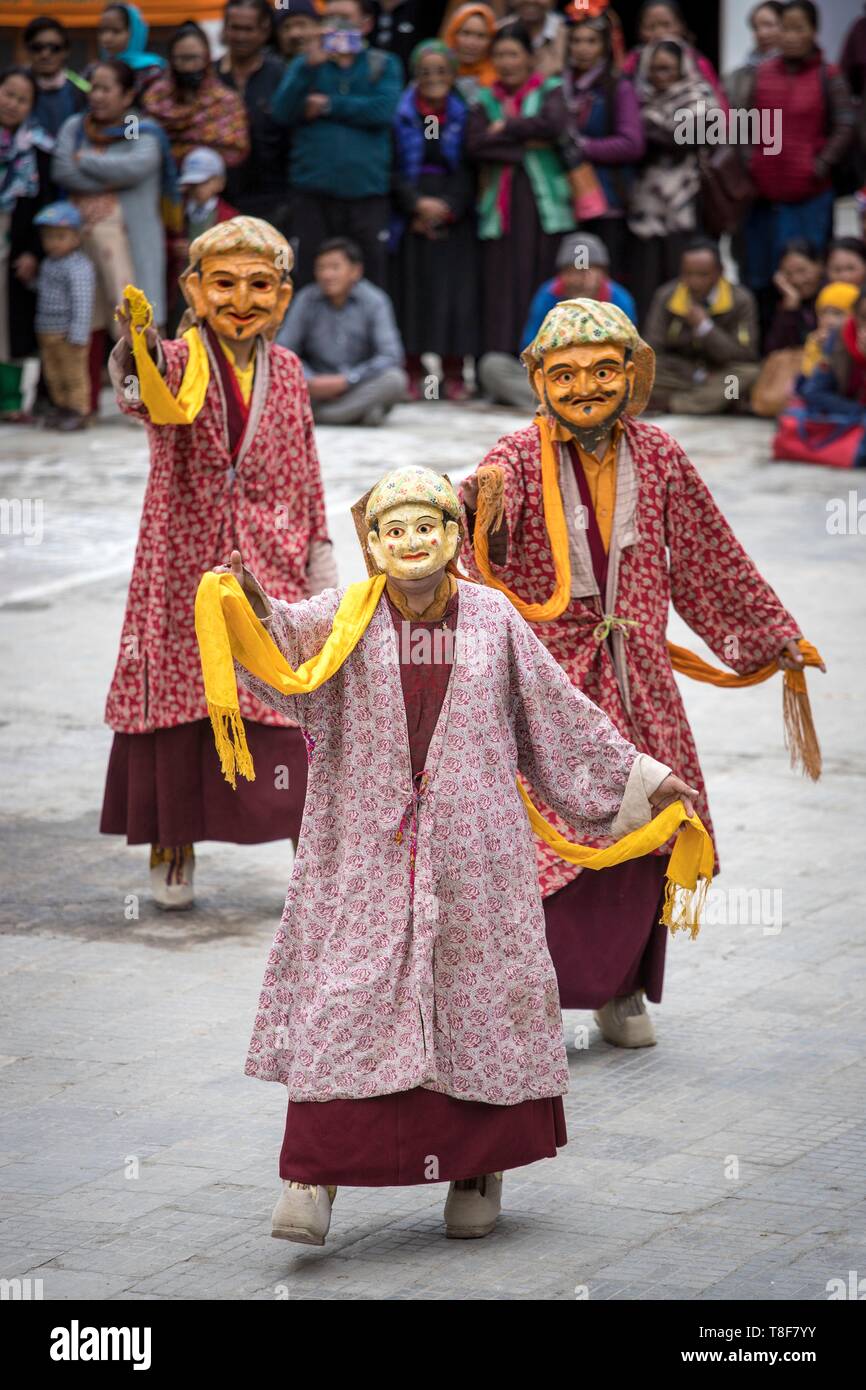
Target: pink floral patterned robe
(383, 978)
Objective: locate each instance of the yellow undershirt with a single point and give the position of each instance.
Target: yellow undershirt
(600, 477)
(243, 375)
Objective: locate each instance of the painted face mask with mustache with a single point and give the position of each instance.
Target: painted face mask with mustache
(587, 388)
(239, 293)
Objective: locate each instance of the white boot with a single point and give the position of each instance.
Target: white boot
(471, 1212)
(171, 875)
(303, 1213)
(625, 1022)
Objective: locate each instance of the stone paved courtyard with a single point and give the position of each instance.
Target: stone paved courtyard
(137, 1161)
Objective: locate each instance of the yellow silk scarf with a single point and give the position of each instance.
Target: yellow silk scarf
(162, 407)
(228, 630)
(800, 736)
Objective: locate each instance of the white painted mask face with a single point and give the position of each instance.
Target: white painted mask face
(414, 540)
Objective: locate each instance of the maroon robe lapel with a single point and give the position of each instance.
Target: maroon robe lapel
(597, 552)
(236, 409)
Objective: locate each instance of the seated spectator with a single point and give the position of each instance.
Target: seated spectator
(344, 331)
(340, 97)
(605, 125)
(546, 30)
(61, 93)
(705, 334)
(826, 422)
(296, 28)
(782, 370)
(64, 287)
(659, 20)
(469, 34)
(123, 35)
(797, 279)
(436, 264)
(833, 308)
(193, 106)
(582, 266)
(202, 179)
(259, 187)
(846, 260)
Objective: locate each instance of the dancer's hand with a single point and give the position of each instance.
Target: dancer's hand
(791, 658)
(124, 318)
(673, 789)
(251, 589)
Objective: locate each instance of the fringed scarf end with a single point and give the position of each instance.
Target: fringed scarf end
(801, 740)
(683, 906)
(491, 500)
(231, 744)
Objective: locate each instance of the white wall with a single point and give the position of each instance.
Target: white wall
(735, 36)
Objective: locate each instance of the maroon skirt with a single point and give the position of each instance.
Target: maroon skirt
(604, 936)
(415, 1136)
(167, 787)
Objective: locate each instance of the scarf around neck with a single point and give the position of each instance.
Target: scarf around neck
(228, 631)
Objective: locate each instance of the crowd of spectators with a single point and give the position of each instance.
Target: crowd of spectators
(445, 173)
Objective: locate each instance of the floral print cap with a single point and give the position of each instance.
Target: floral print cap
(412, 484)
(586, 323)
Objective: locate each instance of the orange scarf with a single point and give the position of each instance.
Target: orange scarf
(801, 739)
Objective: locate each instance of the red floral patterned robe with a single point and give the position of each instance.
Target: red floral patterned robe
(670, 544)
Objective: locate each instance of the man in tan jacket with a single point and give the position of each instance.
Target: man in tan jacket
(704, 331)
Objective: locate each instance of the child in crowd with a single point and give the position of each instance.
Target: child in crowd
(202, 178)
(64, 286)
(832, 307)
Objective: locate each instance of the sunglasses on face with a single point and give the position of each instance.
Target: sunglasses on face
(46, 47)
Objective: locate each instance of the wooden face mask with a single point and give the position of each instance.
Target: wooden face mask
(413, 540)
(239, 293)
(585, 385)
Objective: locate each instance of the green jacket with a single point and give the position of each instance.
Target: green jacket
(544, 167)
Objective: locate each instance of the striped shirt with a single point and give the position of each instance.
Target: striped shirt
(64, 297)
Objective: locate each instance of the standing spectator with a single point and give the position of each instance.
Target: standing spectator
(663, 211)
(259, 186)
(797, 280)
(794, 185)
(663, 19)
(344, 332)
(19, 189)
(514, 132)
(64, 307)
(852, 62)
(202, 180)
(340, 98)
(193, 106)
(765, 22)
(123, 35)
(296, 28)
(112, 163)
(400, 25)
(846, 261)
(546, 30)
(436, 280)
(605, 124)
(469, 34)
(60, 92)
(704, 332)
(582, 266)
